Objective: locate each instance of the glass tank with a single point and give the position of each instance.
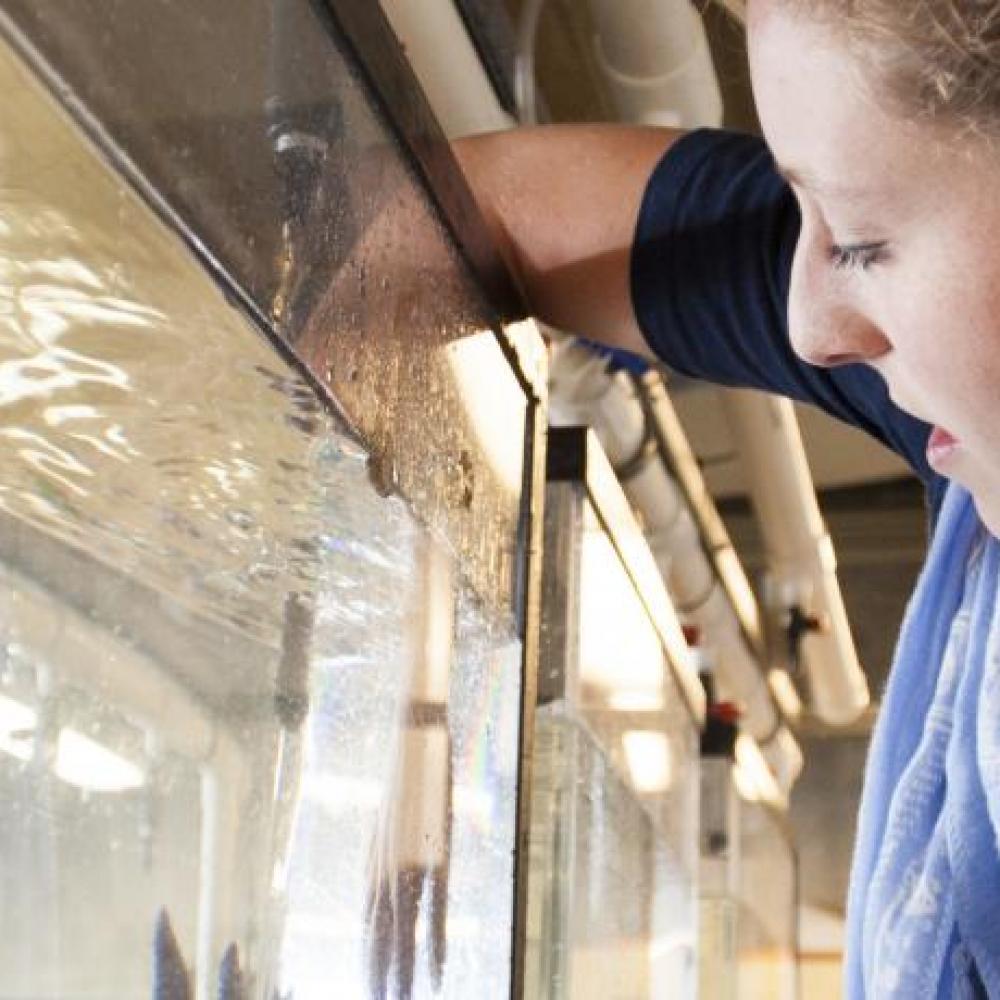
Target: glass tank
(614, 850)
(767, 938)
(261, 548)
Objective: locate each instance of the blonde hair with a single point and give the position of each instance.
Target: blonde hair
(932, 59)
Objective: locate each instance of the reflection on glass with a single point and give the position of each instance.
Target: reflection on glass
(629, 696)
(621, 655)
(615, 775)
(235, 680)
(767, 938)
(612, 899)
(649, 759)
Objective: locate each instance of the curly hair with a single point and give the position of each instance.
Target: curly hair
(933, 59)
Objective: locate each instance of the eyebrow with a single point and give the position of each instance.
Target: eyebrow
(807, 180)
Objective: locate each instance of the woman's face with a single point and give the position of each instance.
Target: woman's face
(898, 263)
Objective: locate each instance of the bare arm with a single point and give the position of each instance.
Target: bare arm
(562, 202)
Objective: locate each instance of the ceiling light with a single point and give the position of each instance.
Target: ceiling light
(17, 728)
(649, 759)
(87, 764)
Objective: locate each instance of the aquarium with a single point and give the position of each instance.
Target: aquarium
(768, 905)
(614, 846)
(266, 467)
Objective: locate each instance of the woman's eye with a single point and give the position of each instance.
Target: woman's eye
(859, 255)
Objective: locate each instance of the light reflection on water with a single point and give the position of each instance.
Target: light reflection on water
(616, 888)
(151, 425)
(169, 489)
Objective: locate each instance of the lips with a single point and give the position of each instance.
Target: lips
(941, 445)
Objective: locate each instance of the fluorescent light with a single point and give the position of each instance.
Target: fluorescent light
(80, 760)
(87, 764)
(620, 652)
(339, 793)
(336, 793)
(636, 701)
(489, 397)
(17, 728)
(649, 761)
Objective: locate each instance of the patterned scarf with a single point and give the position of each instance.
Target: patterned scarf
(923, 915)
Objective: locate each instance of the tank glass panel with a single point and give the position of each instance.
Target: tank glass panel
(615, 781)
(258, 714)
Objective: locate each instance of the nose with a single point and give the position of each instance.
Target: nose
(828, 323)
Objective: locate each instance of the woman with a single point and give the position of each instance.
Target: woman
(854, 264)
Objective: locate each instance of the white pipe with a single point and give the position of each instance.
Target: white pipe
(784, 757)
(413, 832)
(208, 879)
(224, 780)
(655, 56)
(420, 792)
(413, 818)
(525, 96)
(447, 65)
(802, 564)
(582, 392)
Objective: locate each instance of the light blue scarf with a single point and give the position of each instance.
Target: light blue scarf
(924, 901)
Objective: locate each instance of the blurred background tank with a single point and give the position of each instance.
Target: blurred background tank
(614, 849)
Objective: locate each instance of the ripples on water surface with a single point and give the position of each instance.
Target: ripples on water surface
(140, 421)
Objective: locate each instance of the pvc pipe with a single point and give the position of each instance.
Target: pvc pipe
(803, 567)
(784, 757)
(447, 65)
(525, 95)
(579, 389)
(582, 392)
(655, 56)
(208, 883)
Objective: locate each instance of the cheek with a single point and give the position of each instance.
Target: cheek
(962, 335)
(943, 321)
(956, 302)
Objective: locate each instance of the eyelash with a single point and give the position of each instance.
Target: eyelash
(861, 255)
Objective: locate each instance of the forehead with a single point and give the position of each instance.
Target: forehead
(819, 107)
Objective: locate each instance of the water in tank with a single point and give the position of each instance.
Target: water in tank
(258, 725)
(613, 878)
